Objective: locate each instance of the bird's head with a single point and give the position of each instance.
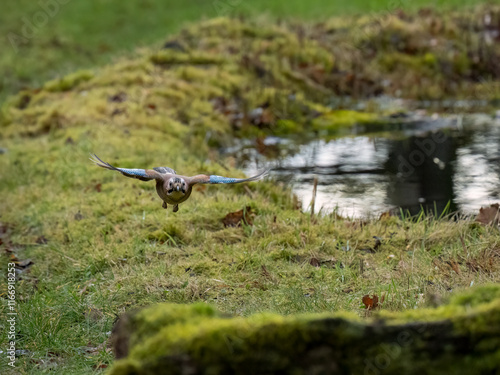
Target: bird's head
(176, 186)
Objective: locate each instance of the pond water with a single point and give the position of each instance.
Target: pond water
(429, 163)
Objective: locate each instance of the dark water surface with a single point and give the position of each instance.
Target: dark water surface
(423, 163)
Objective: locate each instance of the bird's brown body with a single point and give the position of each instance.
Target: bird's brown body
(174, 197)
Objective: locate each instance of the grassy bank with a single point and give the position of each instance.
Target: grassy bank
(100, 244)
(90, 244)
(82, 34)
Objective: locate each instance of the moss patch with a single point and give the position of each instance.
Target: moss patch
(170, 339)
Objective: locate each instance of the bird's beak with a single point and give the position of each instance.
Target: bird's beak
(178, 188)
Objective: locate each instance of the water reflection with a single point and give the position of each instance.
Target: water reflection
(421, 168)
(425, 164)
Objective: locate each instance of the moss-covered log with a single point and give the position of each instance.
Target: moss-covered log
(457, 338)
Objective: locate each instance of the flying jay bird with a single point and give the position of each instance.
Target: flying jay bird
(173, 188)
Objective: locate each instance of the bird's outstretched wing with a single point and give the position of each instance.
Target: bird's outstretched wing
(141, 174)
(213, 179)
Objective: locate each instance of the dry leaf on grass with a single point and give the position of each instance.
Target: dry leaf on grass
(235, 219)
(489, 215)
(369, 302)
(454, 266)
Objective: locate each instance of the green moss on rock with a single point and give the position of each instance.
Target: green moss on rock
(173, 339)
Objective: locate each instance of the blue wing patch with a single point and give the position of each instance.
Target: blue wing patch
(222, 180)
(134, 172)
(141, 174)
(214, 179)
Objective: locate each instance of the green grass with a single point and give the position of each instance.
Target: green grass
(88, 33)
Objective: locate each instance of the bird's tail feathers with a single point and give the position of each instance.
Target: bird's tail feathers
(258, 176)
(97, 161)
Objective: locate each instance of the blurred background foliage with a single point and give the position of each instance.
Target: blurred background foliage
(85, 33)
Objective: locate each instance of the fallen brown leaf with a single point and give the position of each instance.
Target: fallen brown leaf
(370, 303)
(235, 219)
(489, 215)
(454, 266)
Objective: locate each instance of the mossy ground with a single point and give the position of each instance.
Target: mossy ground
(101, 243)
(173, 339)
